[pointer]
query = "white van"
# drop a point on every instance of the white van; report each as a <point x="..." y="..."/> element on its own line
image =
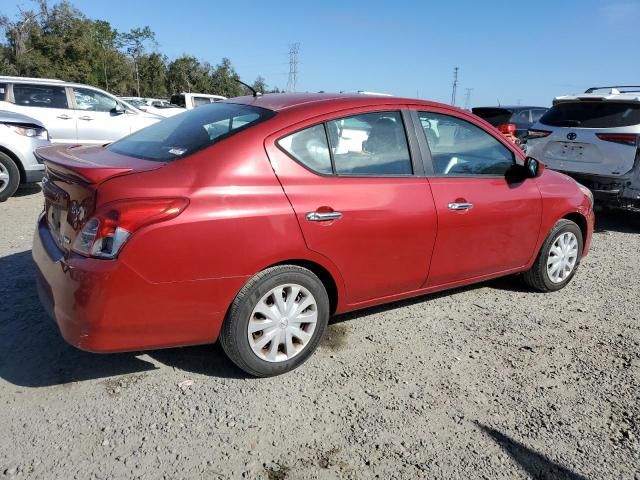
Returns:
<point x="193" y="100"/>
<point x="72" y="112"/>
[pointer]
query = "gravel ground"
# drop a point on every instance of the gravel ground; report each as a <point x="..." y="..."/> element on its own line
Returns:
<point x="491" y="381"/>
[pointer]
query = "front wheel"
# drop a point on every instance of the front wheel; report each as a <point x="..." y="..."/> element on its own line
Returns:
<point x="276" y="321"/>
<point x="9" y="177"/>
<point x="558" y="259"/>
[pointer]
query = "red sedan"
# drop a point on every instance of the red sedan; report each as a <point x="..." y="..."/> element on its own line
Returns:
<point x="253" y="220"/>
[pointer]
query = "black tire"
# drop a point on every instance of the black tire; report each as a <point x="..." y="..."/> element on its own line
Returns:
<point x="537" y="277"/>
<point x="234" y="336"/>
<point x="8" y="166"/>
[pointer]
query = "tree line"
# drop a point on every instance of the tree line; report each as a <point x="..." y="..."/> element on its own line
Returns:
<point x="59" y="41"/>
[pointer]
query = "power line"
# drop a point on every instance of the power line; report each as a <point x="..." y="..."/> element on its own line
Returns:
<point x="455" y="86"/>
<point x="292" y="83"/>
<point x="467" y="98"/>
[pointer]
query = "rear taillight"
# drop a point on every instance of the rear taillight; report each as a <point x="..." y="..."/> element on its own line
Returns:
<point x="507" y="128"/>
<point x="104" y="234"/>
<point x="623" y="138"/>
<point x="538" y="133"/>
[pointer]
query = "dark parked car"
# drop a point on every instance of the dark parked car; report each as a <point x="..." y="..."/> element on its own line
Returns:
<point x="511" y="120"/>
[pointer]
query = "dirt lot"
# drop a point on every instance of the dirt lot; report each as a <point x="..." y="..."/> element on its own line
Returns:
<point x="491" y="381"/>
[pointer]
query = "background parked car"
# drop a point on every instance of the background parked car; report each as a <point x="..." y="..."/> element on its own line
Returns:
<point x="72" y="112"/>
<point x="157" y="106"/>
<point x="594" y="137"/>
<point x="19" y="137"/>
<point x="512" y="121"/>
<point x="193" y="100"/>
<point x="300" y="222"/>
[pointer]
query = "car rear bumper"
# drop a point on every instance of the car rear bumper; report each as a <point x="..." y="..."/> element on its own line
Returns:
<point x="616" y="192"/>
<point x="105" y="306"/>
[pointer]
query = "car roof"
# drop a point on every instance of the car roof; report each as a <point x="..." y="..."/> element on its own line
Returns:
<point x="612" y="95"/>
<point x="326" y="101"/>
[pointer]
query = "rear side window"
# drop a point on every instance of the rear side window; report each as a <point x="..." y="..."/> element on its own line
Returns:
<point x="592" y="115"/>
<point x="199" y="101"/>
<point x="495" y="116"/>
<point x="371" y="144"/>
<point x="182" y="135"/>
<point x="459" y="148"/>
<point x="537" y="113"/>
<point x="44" y="96"/>
<point x="309" y="147"/>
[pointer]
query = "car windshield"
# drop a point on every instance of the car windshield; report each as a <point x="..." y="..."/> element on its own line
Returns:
<point x="594" y="114"/>
<point x="182" y="135"/>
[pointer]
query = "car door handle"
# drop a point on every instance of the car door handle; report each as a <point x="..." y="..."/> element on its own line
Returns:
<point x="460" y="206"/>
<point x="64" y="116"/>
<point x="86" y="117"/>
<point x="323" y="216"/>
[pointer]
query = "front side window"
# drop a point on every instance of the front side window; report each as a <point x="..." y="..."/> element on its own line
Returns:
<point x="44" y="96"/>
<point x="92" y="101"/>
<point x="460" y="148"/>
<point x="182" y="135"/>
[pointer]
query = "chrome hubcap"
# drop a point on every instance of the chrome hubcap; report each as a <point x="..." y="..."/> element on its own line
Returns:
<point x="282" y="323"/>
<point x="563" y="256"/>
<point x="4" y="177"/>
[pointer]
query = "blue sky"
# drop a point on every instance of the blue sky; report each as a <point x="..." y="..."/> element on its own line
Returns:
<point x="525" y="52"/>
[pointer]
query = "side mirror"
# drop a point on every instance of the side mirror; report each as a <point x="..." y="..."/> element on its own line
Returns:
<point x="533" y="167"/>
<point x="118" y="109"/>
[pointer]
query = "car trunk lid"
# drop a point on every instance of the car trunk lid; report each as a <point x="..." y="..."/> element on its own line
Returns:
<point x="73" y="174"/>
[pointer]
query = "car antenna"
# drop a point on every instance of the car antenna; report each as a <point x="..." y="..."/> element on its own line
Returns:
<point x="253" y="90"/>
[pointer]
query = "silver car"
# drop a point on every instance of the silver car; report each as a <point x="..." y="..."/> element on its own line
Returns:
<point x="73" y="112"/>
<point x="19" y="137"/>
<point x="594" y="137"/>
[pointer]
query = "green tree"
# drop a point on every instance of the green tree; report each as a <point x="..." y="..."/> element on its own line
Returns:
<point x="134" y="43"/>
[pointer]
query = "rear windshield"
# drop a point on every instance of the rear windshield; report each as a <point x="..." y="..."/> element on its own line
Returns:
<point x="592" y="115"/>
<point x="495" y="116"/>
<point x="181" y="135"/>
<point x="178" y="100"/>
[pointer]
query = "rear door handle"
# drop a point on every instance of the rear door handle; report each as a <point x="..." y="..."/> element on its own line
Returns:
<point x="64" y="116"/>
<point x="323" y="216"/>
<point x="460" y="206"/>
<point x="86" y="117"/>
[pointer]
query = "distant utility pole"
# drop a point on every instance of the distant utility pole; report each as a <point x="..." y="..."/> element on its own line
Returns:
<point x="455" y="86"/>
<point x="294" y="49"/>
<point x="467" y="98"/>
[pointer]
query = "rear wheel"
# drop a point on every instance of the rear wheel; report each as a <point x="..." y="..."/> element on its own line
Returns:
<point x="558" y="259"/>
<point x="9" y="177"/>
<point x="276" y="321"/>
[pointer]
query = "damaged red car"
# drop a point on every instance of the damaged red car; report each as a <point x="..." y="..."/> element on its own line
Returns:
<point x="252" y="220"/>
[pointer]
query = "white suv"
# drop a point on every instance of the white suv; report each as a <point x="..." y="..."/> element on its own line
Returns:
<point x="72" y="112"/>
<point x="594" y="137"/>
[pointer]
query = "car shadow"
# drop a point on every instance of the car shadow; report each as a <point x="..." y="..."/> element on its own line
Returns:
<point x="34" y="354"/>
<point x="538" y="466"/>
<point x="28" y="189"/>
<point x="617" y="221"/>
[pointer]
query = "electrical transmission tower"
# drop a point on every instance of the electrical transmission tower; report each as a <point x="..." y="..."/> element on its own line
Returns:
<point x="294" y="49"/>
<point x="455" y="86"/>
<point x="467" y="98"/>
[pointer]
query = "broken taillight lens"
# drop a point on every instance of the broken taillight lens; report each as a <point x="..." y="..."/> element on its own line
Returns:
<point x="104" y="234"/>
